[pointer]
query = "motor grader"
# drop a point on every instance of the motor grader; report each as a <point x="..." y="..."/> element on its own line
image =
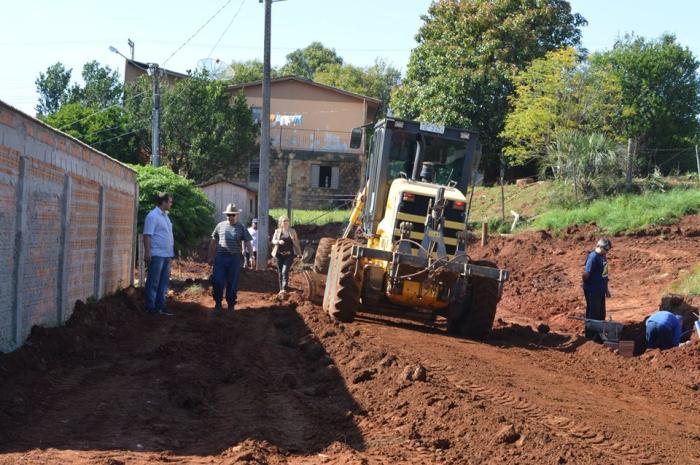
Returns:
<point x="404" y="251"/>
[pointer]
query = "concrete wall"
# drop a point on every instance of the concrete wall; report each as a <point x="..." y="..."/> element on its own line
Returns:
<point x="67" y="222"/>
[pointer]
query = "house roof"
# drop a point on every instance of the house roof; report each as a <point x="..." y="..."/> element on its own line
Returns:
<point x="218" y="179"/>
<point x="144" y="67"/>
<point x="308" y="82"/>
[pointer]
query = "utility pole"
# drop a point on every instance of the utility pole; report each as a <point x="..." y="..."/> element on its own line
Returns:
<point x="154" y="71"/>
<point x="131" y="47"/>
<point x="697" y="160"/>
<point x="263" y="180"/>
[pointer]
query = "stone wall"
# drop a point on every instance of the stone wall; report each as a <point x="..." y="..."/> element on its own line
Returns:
<point x="295" y="169"/>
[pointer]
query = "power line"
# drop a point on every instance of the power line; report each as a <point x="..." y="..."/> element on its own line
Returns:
<point x="225" y="30"/>
<point x="196" y="32"/>
<point x="100" y="111"/>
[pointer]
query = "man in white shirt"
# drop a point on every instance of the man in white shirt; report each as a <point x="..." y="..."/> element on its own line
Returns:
<point x="159" y="249"/>
<point x="250" y="258"/>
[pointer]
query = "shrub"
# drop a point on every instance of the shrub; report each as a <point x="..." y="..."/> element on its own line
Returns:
<point x="192" y="214"/>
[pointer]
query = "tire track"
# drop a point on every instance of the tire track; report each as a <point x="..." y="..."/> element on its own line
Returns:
<point x="563" y="426"/>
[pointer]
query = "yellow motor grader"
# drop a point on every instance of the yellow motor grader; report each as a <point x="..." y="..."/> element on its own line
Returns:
<point x="404" y="251"/>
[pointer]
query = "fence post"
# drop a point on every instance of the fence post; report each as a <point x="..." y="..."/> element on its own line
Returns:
<point x="697" y="160"/>
<point x="134" y="242"/>
<point x="484" y="233"/>
<point x="22" y="197"/>
<point x="99" y="265"/>
<point x="142" y="278"/>
<point x="628" y="180"/>
<point x="63" y="257"/>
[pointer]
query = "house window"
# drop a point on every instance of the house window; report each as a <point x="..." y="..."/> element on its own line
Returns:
<point x="325" y="176"/>
<point x="257" y="114"/>
<point x="254" y="171"/>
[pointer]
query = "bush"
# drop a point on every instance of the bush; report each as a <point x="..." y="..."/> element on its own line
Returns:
<point x="192" y="214"/>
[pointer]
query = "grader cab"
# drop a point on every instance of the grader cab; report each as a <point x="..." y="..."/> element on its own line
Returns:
<point x="404" y="251"/>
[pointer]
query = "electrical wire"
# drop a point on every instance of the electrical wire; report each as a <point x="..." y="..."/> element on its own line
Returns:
<point x="196" y="32"/>
<point x="226" y="30"/>
<point x="65" y="126"/>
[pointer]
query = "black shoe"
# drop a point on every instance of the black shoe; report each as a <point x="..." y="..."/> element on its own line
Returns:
<point x="165" y="311"/>
<point x="217" y="309"/>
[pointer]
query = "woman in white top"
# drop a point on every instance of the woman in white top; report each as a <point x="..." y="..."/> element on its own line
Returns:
<point x="286" y="247"/>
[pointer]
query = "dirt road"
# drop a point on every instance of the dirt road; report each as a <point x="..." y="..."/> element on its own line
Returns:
<point x="278" y="382"/>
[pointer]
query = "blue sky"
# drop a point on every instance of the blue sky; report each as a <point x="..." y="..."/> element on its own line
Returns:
<point x="38" y="33"/>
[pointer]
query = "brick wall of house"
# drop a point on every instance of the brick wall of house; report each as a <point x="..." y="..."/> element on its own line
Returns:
<point x="67" y="222"/>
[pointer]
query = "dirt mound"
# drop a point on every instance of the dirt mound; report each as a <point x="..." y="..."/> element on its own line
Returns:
<point x="546" y="272"/>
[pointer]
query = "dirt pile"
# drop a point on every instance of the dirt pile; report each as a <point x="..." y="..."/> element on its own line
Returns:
<point x="546" y="272"/>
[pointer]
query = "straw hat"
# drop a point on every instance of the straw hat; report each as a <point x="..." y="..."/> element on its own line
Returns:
<point x="231" y="209"/>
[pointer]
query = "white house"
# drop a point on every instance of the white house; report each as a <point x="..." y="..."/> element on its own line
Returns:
<point x="221" y="192"/>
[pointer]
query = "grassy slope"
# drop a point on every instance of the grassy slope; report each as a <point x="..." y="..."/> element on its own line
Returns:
<point x="625" y="213"/>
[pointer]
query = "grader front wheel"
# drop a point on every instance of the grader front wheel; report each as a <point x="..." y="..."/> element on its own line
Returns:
<point x="478" y="311"/>
<point x="342" y="291"/>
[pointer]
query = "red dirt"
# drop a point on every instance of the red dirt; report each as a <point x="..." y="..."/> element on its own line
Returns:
<point x="278" y="382"/>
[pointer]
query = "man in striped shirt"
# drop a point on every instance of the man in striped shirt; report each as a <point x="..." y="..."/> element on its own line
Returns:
<point x="225" y="252"/>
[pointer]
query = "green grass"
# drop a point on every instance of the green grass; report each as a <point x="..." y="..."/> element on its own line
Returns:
<point x="688" y="284"/>
<point x="317" y="217"/>
<point x="624" y="213"/>
<point x="529" y="200"/>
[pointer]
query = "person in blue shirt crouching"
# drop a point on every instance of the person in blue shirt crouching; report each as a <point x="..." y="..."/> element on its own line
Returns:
<point x="663" y="330"/>
<point x="595" y="282"/>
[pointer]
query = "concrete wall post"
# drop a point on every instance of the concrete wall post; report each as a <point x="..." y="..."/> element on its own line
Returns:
<point x="20" y="248"/>
<point x="63" y="257"/>
<point x="99" y="251"/>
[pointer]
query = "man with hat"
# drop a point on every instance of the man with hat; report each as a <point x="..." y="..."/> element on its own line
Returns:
<point x="253" y="231"/>
<point x="595" y="281"/>
<point x="225" y="252"/>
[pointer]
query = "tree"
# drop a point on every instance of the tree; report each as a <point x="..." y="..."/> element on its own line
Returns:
<point x="374" y="81"/>
<point x="192" y="214"/>
<point x="306" y="62"/>
<point x="204" y="131"/>
<point x="52" y="87"/>
<point x="102" y="87"/>
<point x="558" y="93"/>
<point x="246" y="71"/>
<point x="589" y="162"/>
<point x="460" y="74"/>
<point x="660" y="89"/>
<point x="111" y="131"/>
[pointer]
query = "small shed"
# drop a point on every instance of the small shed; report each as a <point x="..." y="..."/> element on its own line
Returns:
<point x="221" y="192"/>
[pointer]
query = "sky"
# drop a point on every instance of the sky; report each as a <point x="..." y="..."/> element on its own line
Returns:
<point x="177" y="34"/>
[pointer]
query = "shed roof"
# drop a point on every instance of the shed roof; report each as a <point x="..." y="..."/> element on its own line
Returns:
<point x="221" y="179"/>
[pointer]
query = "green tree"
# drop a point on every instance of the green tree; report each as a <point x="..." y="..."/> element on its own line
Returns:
<point x="660" y="89"/>
<point x="558" y="93"/>
<point x="305" y="62"/>
<point x="192" y="214"/>
<point x="204" y="130"/>
<point x="102" y="86"/>
<point x="246" y="71"/>
<point x="111" y="131"/>
<point x="374" y="81"/>
<point x="52" y="88"/>
<point x="460" y="73"/>
<point x="588" y="162"/>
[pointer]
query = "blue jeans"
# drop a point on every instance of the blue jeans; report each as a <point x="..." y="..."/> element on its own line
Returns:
<point x="227" y="269"/>
<point x="284" y="264"/>
<point x="157" y="283"/>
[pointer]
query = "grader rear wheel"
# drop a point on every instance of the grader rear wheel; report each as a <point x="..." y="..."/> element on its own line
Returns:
<point x="323" y="255"/>
<point x="343" y="292"/>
